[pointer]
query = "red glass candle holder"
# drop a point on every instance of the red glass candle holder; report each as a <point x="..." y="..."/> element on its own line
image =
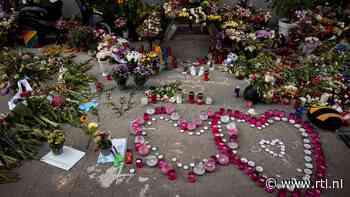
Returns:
<point x="191" y="177"/>
<point x="184" y="125"/>
<point x="296" y="193"/>
<point x="222" y="111"/>
<point x="139" y="163"/>
<point x="128" y="156"/>
<point x="200" y="99"/>
<point x="261" y="182"/>
<point x="158" y="110"/>
<point x="171" y="175"/>
<point x="146" y="117"/>
<point x="206" y="75"/>
<point x="191" y="97"/>
<point x="254" y="177"/>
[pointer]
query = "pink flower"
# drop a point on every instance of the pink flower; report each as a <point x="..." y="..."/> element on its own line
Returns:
<point x="253" y="77"/>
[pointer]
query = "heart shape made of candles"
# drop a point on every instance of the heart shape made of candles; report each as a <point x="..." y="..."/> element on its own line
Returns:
<point x="315" y="167"/>
<point x="269" y="147"/>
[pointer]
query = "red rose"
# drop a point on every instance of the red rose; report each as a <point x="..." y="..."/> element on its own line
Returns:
<point x="109" y="77"/>
<point x="25" y="94"/>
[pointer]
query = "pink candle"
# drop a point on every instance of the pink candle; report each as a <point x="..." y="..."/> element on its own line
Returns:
<point x="139" y="163"/>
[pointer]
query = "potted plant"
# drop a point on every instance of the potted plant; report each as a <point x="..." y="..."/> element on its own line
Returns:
<point x="120" y="74"/>
<point x="56" y="141"/>
<point x="103" y="142"/>
<point x="141" y="75"/>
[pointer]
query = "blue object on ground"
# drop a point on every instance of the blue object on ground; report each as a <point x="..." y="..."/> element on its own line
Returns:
<point x="88" y="106"/>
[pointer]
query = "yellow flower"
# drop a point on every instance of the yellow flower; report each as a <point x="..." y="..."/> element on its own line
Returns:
<point x="92" y="126"/>
<point x="83" y="119"/>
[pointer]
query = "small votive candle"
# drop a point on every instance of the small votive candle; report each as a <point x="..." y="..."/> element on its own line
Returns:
<point x="191" y="97"/>
<point x="171" y="175"/>
<point x="200" y="99"/>
<point x="191" y="177"/>
<point x="206" y="75"/>
<point x="139" y="163"/>
<point x="208" y="100"/>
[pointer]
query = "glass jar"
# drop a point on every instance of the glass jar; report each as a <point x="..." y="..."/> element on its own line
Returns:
<point x="200" y="99"/>
<point x="191" y="97"/>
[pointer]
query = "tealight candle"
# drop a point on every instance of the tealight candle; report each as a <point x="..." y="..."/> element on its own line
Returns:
<point x="208" y="100"/>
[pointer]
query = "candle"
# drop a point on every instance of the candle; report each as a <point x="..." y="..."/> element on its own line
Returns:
<point x="200" y="99"/>
<point x="191" y="97"/>
<point x="179" y="98"/>
<point x="191" y="177"/>
<point x="206" y="75"/>
<point x="139" y="163"/>
<point x="171" y="175"/>
<point x="128" y="156"/>
<point x="208" y="100"/>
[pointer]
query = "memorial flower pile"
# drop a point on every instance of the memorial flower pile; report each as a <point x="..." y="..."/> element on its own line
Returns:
<point x="40" y="110"/>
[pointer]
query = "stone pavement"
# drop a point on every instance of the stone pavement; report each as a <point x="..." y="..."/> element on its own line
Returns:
<point x="88" y="179"/>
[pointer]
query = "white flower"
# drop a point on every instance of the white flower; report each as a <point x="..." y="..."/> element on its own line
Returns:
<point x="133" y="56"/>
<point x="252" y="36"/>
<point x="269" y="78"/>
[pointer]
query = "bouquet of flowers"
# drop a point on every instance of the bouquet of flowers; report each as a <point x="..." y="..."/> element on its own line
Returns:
<point x="165" y="92"/>
<point x="56" y="140"/>
<point x="141" y="75"/>
<point x="120" y="74"/>
<point x="103" y="142"/>
<point x="120" y="23"/>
